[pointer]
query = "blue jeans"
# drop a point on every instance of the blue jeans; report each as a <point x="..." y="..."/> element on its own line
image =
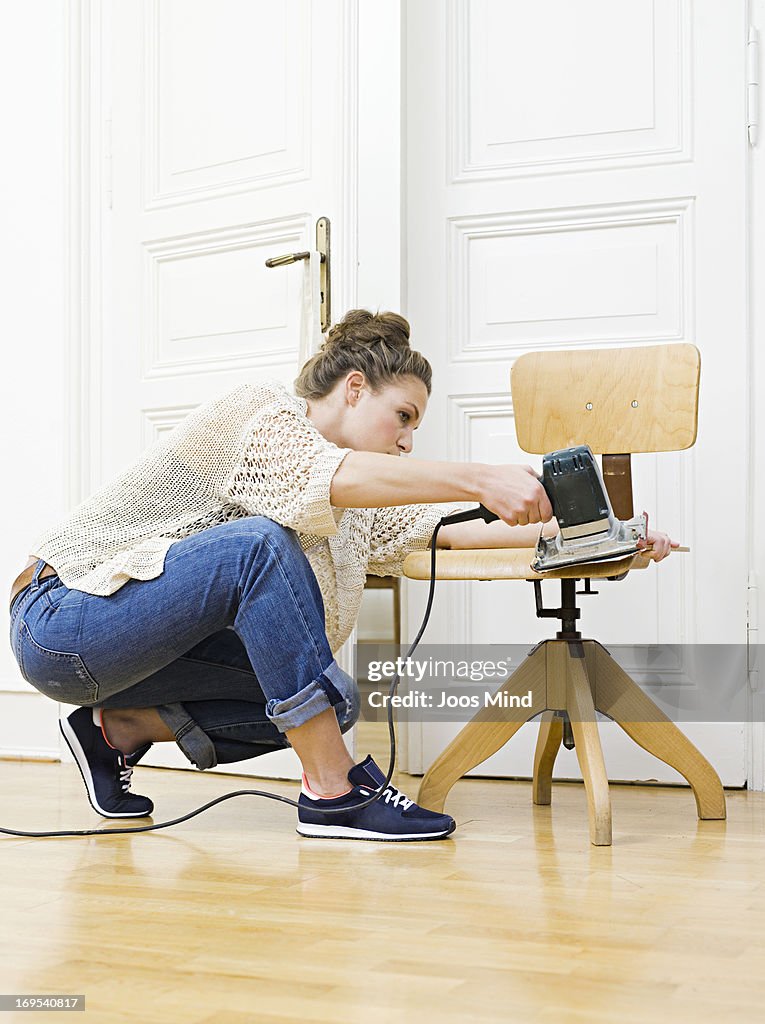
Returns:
<point x="228" y="643"/>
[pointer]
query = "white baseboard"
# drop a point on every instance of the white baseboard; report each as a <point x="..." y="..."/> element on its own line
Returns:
<point x="281" y="764"/>
<point x="29" y="726"/>
<point x="29" y="730"/>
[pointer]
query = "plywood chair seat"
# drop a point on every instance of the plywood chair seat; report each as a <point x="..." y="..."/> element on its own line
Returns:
<point x="508" y="564"/>
<point x="619" y="402"/>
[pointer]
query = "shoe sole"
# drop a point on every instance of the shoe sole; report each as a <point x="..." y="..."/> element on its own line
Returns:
<point x="344" y="832"/>
<point x="79" y="758"/>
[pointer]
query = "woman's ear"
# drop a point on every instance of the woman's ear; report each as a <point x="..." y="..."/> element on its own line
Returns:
<point x="354" y="385"/>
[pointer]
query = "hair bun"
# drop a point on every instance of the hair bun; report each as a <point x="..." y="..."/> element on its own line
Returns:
<point x="377" y="344"/>
<point x="360" y="328"/>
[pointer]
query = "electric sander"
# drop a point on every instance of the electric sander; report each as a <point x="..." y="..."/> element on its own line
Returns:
<point x="589" y="531"/>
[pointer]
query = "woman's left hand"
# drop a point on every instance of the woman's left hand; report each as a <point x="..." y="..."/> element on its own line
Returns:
<point x="659" y="545"/>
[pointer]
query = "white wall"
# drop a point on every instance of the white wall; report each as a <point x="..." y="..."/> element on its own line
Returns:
<point x="34" y="312"/>
<point x="380" y="213"/>
<point x="380" y="157"/>
<point x="757" y="462"/>
<point x="32" y="317"/>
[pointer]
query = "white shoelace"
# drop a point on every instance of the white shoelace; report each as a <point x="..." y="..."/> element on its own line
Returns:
<point x="125" y="778"/>
<point x="393" y="796"/>
<point x="396" y="797"/>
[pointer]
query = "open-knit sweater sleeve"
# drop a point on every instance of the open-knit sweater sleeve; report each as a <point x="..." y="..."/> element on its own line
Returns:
<point x="399" y="530"/>
<point x="249" y="452"/>
<point x="285" y="469"/>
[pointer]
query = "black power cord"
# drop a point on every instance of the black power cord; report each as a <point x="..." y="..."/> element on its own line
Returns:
<point x="458" y="517"/>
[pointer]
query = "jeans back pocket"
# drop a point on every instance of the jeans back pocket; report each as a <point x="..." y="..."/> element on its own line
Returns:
<point x="60" y="675"/>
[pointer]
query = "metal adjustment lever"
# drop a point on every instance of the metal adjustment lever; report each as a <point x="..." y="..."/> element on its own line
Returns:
<point x="325" y="277"/>
<point x="588" y="588"/>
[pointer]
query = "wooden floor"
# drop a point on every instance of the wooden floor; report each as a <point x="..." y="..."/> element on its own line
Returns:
<point x="232" y="918"/>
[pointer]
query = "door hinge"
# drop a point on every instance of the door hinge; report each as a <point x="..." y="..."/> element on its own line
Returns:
<point x="752" y="632"/>
<point x="108" y="163"/>
<point x="753" y="85"/>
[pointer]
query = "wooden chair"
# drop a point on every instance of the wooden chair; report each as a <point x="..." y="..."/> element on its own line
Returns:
<point x="619" y="402"/>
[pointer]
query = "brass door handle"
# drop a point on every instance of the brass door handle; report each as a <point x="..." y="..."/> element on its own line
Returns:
<point x="290" y="257"/>
<point x="325" y="277"/>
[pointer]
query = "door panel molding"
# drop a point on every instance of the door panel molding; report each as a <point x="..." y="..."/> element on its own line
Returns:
<point x="603" y="126"/>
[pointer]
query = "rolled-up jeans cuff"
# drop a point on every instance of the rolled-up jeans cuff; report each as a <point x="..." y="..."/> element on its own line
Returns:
<point x="195" y="744"/>
<point x="332" y="689"/>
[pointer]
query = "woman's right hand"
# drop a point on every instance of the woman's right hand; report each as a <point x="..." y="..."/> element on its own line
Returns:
<point x="515" y="494"/>
<point x="373" y="480"/>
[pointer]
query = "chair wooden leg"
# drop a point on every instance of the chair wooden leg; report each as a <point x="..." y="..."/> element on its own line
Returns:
<point x="548" y="745"/>
<point x="589" y="752"/>
<point x="484" y="735"/>
<point x="620" y="697"/>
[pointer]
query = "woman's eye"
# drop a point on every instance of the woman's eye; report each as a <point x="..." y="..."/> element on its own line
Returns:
<point x="405" y="417"/>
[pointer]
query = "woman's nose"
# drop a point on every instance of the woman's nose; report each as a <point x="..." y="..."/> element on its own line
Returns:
<point x="405" y="443"/>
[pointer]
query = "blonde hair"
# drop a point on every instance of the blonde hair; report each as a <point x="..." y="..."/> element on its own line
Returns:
<point x="377" y="344"/>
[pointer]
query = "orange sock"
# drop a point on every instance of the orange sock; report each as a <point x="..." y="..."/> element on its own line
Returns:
<point x="98" y="719"/>
<point x="103" y="733"/>
<point x="317" y="796"/>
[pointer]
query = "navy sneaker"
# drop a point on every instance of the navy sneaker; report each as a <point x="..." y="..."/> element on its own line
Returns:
<point x="392" y="819"/>
<point x="131" y="760"/>
<point x="104" y="770"/>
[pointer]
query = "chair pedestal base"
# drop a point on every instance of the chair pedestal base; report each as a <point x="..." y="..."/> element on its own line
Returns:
<point x="580" y="678"/>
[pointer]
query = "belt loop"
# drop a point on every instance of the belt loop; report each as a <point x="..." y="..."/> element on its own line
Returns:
<point x="41" y="563"/>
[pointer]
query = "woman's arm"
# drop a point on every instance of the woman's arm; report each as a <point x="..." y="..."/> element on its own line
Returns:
<point x="493" y="535"/>
<point x="371" y="480"/>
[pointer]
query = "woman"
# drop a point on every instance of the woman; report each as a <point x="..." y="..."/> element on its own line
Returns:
<point x="200" y="595"/>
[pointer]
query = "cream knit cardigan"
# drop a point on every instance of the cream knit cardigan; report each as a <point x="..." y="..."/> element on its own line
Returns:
<point x="251" y="452"/>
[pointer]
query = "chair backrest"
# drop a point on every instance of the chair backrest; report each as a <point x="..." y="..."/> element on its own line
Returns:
<point x="617" y="400"/>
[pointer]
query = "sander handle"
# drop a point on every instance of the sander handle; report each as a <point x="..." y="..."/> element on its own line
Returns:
<point x="479" y="512"/>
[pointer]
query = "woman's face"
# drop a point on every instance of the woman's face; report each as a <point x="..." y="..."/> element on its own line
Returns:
<point x="384" y="421"/>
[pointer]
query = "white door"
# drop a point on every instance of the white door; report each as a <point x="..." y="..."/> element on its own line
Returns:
<point x="576" y="179"/>
<point x="230" y="134"/>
